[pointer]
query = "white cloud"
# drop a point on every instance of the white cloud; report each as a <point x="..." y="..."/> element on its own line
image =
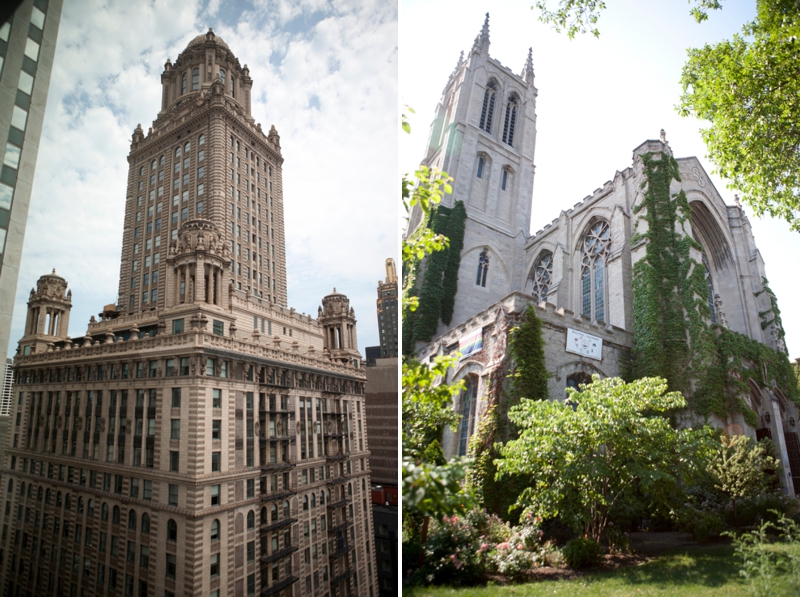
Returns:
<point x="340" y="188"/>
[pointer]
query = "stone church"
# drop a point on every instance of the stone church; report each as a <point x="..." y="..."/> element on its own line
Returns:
<point x="579" y="270"/>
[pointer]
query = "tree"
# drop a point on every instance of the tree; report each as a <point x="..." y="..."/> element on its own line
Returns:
<point x="742" y="468"/>
<point x="584" y="454"/>
<point x="747" y="88"/>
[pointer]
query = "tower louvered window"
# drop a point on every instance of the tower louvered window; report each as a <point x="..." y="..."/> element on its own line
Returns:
<point x="487" y="111"/>
<point x="483" y="268"/>
<point x="510" y="121"/>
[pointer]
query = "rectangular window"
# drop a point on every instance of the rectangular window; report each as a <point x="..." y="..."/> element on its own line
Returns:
<point x="174" y="459"/>
<point x="215" y="461"/>
<point x="176" y="397"/>
<point x="216" y="429"/>
<point x="216" y="398"/>
<point x="211" y="366"/>
<point x="173" y="495"/>
<point x="215" y="495"/>
<point x="171" y="565"/>
<point x="214" y="564"/>
<point x="219" y="328"/>
<point x="148" y="490"/>
<point x="174" y="429"/>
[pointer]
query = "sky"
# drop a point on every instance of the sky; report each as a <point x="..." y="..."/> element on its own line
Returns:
<point x="324" y="73"/>
<point x="597" y="100"/>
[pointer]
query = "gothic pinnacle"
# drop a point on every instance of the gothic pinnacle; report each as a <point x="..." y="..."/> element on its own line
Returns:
<point x="482" y="40"/>
<point x="527" y="72"/>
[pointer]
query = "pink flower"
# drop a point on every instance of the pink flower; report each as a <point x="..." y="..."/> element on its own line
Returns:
<point x="484" y="546"/>
<point x="502" y="545"/>
<point x="520" y="546"/>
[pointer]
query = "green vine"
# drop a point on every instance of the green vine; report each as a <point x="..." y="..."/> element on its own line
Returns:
<point x="524" y="365"/>
<point x="439" y="279"/>
<point x="773" y="310"/>
<point x="672" y="337"/>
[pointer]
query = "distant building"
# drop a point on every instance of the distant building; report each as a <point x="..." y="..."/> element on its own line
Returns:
<point x="387" y="312"/>
<point x="382" y="418"/>
<point x="386" y="541"/>
<point x="6" y="390"/>
<point x="371" y="355"/>
<point x="27" y="48"/>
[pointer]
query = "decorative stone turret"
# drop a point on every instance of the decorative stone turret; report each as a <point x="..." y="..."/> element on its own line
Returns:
<point x="48" y="314"/>
<point x="196" y="265"/>
<point x="338" y="320"/>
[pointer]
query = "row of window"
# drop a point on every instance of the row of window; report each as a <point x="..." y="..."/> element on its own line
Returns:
<point x="488" y="110"/>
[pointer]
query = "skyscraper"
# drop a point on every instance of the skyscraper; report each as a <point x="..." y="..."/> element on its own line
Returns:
<point x="202" y="438"/>
<point x="27" y="48"/>
<point x="387" y="312"/>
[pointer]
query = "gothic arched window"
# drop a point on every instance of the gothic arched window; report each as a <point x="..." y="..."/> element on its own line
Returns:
<point x="487" y="111"/>
<point x="710" y="285"/>
<point x="483" y="268"/>
<point x="540" y="276"/>
<point x="596" y="248"/>
<point x="195" y="79"/>
<point x="576" y="380"/>
<point x="468" y="400"/>
<point x="511" y="119"/>
<point x="481" y="163"/>
<point x="506" y="180"/>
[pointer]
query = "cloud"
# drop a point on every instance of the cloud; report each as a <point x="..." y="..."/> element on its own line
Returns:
<point x="337" y="125"/>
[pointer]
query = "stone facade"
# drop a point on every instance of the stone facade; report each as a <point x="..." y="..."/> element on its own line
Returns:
<point x="213" y="442"/>
<point x="382" y="420"/>
<point x="578" y="268"/>
<point x="388" y="321"/>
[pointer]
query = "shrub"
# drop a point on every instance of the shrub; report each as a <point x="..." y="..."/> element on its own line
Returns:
<point x="582" y="553"/>
<point x="770" y="567"/>
<point x="752" y="511"/>
<point x="452" y="552"/>
<point x="699" y="522"/>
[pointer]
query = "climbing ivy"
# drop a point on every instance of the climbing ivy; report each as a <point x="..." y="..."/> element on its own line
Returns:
<point x="773" y="310"/>
<point x="439" y="279"/>
<point x="523" y="365"/>
<point x="672" y="337"/>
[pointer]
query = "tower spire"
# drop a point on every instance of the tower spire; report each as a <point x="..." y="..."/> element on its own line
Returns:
<point x="482" y="40"/>
<point x="527" y="71"/>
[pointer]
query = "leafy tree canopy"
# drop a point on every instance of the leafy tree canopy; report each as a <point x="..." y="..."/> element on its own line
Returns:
<point x="583" y="454"/>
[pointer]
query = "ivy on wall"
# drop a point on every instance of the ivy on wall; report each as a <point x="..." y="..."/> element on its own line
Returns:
<point x="673" y="336"/>
<point x="439" y="285"/>
<point x="520" y="374"/>
<point x="773" y="311"/>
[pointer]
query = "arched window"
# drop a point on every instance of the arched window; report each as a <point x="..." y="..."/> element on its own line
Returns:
<point x="153" y="165"/>
<point x="195" y="79"/>
<point x="22" y="489"/>
<point x="187" y="147"/>
<point x="468" y="400"/>
<point x="233" y="86"/>
<point x="251" y="520"/>
<point x="305" y="503"/>
<point x="90" y="509"/>
<point x="115" y="515"/>
<point x="596" y="248"/>
<point x="104" y="512"/>
<point x="710" y="284"/>
<point x="576" y="380"/>
<point x="540" y="276"/>
<point x="47" y="495"/>
<point x="222" y="76"/>
<point x="132" y="519"/>
<point x="215" y="530"/>
<point x="58" y="500"/>
<point x="183" y="83"/>
<point x="313" y="500"/>
<point x="321" y="498"/>
<point x="286" y="509"/>
<point x="161" y="161"/>
<point x="481" y="164"/>
<point x="489" y="97"/>
<point x="483" y="268"/>
<point x="39" y="494"/>
<point x="511" y="119"/>
<point x="201" y="140"/>
<point x="178" y="151"/>
<point x="273" y="509"/>
<point x="350" y="489"/>
<point x="146" y="523"/>
<point x="505" y="181"/>
<point x="10" y="486"/>
<point x="172" y="530"/>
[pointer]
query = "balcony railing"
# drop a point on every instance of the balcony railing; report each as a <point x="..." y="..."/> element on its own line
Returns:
<point x="271" y="590"/>
<point x="278" y="524"/>
<point x="342" y="577"/>
<point x="279" y="554"/>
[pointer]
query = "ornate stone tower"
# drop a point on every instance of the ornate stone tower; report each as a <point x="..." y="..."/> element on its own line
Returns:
<point x="338" y="321"/>
<point x="48" y="314"/>
<point x="204" y="157"/>
<point x="484" y="136"/>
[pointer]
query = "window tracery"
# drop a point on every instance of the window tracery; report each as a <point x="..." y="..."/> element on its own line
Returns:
<point x="540" y="276"/>
<point x="596" y="248"/>
<point x="487" y="112"/>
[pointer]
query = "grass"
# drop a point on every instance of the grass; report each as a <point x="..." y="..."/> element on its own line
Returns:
<point x="693" y="572"/>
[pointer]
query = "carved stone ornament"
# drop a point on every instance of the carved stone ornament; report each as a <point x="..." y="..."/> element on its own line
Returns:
<point x="40" y="421"/>
<point x="128" y="429"/>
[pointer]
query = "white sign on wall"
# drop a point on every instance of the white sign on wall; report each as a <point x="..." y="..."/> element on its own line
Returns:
<point x="584" y="344"/>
